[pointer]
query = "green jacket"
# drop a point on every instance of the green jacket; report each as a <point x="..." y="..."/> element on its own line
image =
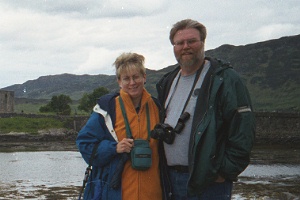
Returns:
<point x="223" y="128"/>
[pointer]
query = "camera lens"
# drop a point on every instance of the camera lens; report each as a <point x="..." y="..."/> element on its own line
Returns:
<point x="184" y="117"/>
<point x="181" y="122"/>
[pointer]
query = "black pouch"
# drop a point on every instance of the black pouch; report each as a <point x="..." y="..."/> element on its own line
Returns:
<point x="141" y="155"/>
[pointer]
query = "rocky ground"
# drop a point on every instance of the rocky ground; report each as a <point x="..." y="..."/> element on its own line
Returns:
<point x="246" y="188"/>
<point x="46" y="140"/>
<point x="64" y="139"/>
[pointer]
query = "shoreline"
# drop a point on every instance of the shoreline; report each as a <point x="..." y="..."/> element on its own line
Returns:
<point x="64" y="140"/>
<point x="45" y="140"/>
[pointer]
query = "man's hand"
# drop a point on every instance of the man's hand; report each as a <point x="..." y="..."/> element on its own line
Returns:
<point x="220" y="179"/>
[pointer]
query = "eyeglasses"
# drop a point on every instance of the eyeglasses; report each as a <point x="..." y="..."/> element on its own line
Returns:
<point x="189" y="42"/>
<point x="136" y="78"/>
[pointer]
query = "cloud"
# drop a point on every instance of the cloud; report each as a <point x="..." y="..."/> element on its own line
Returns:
<point x="274" y="31"/>
<point x="46" y="37"/>
<point x="93" y="8"/>
<point x="97" y="61"/>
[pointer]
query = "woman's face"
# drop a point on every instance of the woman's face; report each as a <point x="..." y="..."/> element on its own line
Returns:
<point x="132" y="82"/>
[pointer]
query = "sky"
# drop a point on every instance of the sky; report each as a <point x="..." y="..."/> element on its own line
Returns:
<point x="50" y="37"/>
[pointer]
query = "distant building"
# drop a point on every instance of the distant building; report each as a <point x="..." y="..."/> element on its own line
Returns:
<point x="7" y="101"/>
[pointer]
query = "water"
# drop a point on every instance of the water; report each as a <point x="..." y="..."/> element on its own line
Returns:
<point x="41" y="175"/>
<point x="273" y="174"/>
<point x="53" y="168"/>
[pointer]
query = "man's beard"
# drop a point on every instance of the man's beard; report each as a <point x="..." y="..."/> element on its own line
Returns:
<point x="188" y="62"/>
<point x="194" y="60"/>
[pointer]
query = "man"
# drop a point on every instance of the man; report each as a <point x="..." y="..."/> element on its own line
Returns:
<point x="210" y="103"/>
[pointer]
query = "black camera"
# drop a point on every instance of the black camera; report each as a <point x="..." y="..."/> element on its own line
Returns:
<point x="163" y="132"/>
<point x="166" y="132"/>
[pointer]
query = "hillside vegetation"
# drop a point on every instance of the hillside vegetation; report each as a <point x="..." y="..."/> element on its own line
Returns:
<point x="271" y="70"/>
<point x="28" y="125"/>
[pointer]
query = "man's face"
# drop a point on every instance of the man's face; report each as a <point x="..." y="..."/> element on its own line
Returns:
<point x="188" y="48"/>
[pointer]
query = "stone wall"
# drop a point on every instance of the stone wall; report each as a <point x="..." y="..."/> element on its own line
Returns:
<point x="6" y="101"/>
<point x="277" y="127"/>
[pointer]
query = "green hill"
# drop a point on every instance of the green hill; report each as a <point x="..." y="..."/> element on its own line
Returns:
<point x="271" y="70"/>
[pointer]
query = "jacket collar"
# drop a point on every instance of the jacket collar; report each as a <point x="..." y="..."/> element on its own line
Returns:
<point x="128" y="102"/>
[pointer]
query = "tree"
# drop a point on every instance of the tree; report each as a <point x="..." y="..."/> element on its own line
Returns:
<point x="87" y="102"/>
<point x="58" y="104"/>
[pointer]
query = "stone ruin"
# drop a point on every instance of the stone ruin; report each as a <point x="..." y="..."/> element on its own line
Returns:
<point x="7" y="101"/>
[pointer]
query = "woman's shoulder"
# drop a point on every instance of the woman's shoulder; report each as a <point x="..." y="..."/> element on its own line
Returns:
<point x="106" y="103"/>
<point x="106" y="99"/>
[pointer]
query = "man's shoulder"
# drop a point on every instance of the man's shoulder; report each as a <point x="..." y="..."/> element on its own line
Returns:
<point x="224" y="69"/>
<point x="218" y="63"/>
<point x="173" y="71"/>
<point x="157" y="103"/>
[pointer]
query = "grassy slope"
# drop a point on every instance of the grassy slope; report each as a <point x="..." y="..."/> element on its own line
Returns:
<point x="28" y="125"/>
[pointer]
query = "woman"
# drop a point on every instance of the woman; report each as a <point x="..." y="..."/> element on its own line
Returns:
<point x="107" y="127"/>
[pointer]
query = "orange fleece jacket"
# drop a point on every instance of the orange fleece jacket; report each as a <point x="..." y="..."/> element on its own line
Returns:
<point x="139" y="185"/>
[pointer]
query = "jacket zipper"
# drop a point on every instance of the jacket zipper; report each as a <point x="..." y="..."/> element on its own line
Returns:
<point x="207" y="99"/>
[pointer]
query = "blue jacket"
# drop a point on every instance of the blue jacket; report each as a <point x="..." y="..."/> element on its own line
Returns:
<point x="106" y="158"/>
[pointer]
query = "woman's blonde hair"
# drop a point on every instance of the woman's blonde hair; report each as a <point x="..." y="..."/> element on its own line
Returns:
<point x="129" y="61"/>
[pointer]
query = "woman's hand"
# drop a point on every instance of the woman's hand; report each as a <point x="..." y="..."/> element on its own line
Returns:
<point x="125" y="145"/>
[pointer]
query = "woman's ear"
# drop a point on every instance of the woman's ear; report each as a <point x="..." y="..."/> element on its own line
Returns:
<point x="119" y="82"/>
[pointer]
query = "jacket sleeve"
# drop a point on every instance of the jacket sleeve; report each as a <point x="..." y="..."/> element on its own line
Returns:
<point x="95" y="131"/>
<point x="239" y="122"/>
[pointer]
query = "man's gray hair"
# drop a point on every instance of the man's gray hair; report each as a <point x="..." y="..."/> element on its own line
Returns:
<point x="185" y="24"/>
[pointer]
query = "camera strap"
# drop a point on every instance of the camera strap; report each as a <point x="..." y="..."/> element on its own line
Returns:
<point x="192" y="89"/>
<point x="128" y="130"/>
